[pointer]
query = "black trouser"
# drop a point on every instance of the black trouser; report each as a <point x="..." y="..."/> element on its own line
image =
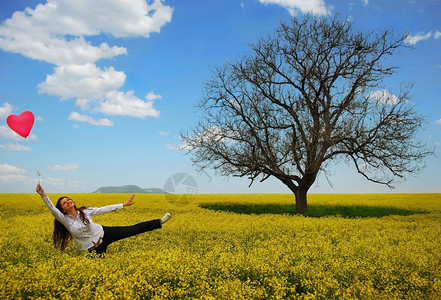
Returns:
<point x="113" y="234"/>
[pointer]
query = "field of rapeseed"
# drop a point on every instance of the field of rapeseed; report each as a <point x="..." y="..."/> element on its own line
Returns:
<point x="232" y="247"/>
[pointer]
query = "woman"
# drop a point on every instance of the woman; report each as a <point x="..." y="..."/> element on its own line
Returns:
<point x="72" y="222"/>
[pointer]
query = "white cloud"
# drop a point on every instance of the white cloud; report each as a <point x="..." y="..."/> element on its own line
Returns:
<point x="413" y="39"/>
<point x="14" y="147"/>
<point x="74" y="184"/>
<point x="57" y="182"/>
<point x="365" y="2"/>
<point x="384" y="97"/>
<point x="15" y="178"/>
<point x="43" y="33"/>
<point x="62" y="184"/>
<point x="56" y="32"/>
<point x="82" y="81"/>
<point x="164" y="132"/>
<point x="213" y="134"/>
<point x="5" y="110"/>
<point x="314" y="6"/>
<point x="437" y="34"/>
<point x="126" y="104"/>
<point x="175" y="147"/>
<point x="97" y="90"/>
<point x="151" y="96"/>
<point x="32" y="137"/>
<point x="7" y="133"/>
<point x="65" y="167"/>
<point x="439" y="121"/>
<point x="55" y="50"/>
<point x="10" y="169"/>
<point x="74" y="116"/>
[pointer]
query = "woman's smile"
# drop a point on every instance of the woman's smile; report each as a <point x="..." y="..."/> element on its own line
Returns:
<point x="66" y="204"/>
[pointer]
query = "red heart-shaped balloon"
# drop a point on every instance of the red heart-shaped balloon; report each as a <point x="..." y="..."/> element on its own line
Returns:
<point x="22" y="124"/>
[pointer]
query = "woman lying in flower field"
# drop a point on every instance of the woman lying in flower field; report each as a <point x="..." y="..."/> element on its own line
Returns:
<point x="72" y="222"/>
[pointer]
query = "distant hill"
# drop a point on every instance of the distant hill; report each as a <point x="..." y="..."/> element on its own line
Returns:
<point x="129" y="189"/>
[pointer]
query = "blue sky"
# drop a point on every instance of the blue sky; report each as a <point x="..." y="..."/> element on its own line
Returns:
<point x="113" y="82"/>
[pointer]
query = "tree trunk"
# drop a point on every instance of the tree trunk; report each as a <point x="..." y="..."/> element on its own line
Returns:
<point x="300" y="194"/>
<point x="301" y="200"/>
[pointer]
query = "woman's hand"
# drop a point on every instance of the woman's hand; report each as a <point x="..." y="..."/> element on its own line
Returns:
<point x="40" y="190"/>
<point x="129" y="201"/>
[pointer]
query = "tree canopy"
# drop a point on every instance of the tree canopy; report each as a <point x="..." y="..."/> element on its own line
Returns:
<point x="309" y="94"/>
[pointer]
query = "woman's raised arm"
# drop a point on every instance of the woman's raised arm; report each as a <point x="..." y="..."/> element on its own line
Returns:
<point x="55" y="212"/>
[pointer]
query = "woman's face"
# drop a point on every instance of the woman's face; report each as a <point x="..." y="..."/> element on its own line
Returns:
<point x="66" y="204"/>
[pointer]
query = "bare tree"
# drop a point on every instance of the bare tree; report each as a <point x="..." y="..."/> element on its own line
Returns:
<point x="309" y="94"/>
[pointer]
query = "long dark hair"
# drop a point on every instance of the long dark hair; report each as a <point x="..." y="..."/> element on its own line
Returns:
<point x="61" y="236"/>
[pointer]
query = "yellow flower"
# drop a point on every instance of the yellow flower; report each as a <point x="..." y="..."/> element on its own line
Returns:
<point x="206" y="254"/>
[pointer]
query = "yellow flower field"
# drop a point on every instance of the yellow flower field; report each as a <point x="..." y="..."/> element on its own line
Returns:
<point x="352" y="247"/>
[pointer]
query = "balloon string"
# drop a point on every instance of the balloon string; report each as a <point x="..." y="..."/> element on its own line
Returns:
<point x="34" y="160"/>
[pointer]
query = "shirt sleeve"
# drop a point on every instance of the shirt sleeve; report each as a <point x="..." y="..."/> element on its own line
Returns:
<point x="94" y="211"/>
<point x="55" y="212"/>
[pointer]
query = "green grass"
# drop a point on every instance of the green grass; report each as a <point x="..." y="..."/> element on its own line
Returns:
<point x="344" y="211"/>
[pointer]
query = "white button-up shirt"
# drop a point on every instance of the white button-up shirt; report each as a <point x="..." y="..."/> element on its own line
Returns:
<point x="83" y="235"/>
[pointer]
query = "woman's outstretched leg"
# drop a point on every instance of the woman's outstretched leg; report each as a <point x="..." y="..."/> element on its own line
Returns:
<point x="113" y="234"/>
